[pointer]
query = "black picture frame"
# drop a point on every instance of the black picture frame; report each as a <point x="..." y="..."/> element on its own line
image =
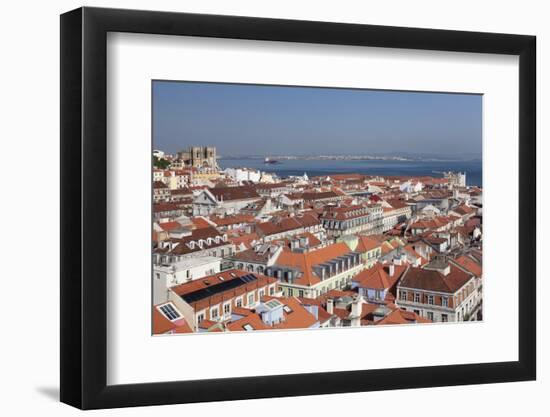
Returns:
<point x="84" y="207"/>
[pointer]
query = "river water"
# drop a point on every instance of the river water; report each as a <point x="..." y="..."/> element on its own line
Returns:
<point x="316" y="167"/>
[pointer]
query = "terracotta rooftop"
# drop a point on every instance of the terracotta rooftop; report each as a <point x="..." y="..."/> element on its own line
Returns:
<point x="399" y="316"/>
<point x="284" y="224"/>
<point x="366" y="244"/>
<point x="432" y="280"/>
<point x="234" y="193"/>
<point x="469" y="265"/>
<point x="307" y="260"/>
<point x="222" y="286"/>
<point x="378" y="277"/>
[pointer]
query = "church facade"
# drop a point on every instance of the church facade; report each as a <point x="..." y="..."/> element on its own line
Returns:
<point x="199" y="157"/>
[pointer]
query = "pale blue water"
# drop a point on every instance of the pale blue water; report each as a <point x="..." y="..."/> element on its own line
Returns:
<point x="313" y="168"/>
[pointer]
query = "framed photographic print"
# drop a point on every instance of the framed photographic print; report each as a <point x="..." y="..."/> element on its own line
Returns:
<point x="258" y="208"/>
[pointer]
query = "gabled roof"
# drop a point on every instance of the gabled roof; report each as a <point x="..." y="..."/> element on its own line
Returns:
<point x="200" y="222"/>
<point x="285" y="224"/>
<point x="307" y="260"/>
<point x="160" y="323"/>
<point x="463" y="210"/>
<point x="170" y="226"/>
<point x="234" y="193"/>
<point x="432" y="280"/>
<point x="296" y="316"/>
<point x="366" y="244"/>
<point x="319" y="195"/>
<point x="184" y="246"/>
<point x="469" y="265"/>
<point x="162" y="207"/>
<point x="252" y="321"/>
<point x="399" y="316"/>
<point x="220" y="287"/>
<point x="230" y="220"/>
<point x="246" y="240"/>
<point x="378" y="277"/>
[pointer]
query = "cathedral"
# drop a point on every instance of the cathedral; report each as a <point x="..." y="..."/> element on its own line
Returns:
<point x="199" y="157"/>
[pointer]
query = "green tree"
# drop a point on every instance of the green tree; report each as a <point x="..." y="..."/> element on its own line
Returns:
<point x="160" y="163"/>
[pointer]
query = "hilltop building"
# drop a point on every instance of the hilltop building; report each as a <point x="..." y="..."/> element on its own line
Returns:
<point x="199" y="157"/>
<point x="456" y="179"/>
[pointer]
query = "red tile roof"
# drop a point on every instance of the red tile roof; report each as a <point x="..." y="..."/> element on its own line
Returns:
<point x="200" y="223"/>
<point x="469" y="265"/>
<point x="161" y="324"/>
<point x="378" y="277"/>
<point x="234" y="193"/>
<point x="169" y="226"/>
<point x="252" y="320"/>
<point x="431" y="280"/>
<point x="366" y="244"/>
<point x="402" y="317"/>
<point x="305" y="261"/>
<point x="226" y="294"/>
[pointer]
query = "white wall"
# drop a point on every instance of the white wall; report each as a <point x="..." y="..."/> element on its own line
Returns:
<point x="30" y="92"/>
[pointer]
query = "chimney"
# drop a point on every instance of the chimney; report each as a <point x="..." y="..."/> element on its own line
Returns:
<point x="330" y="306"/>
<point x="356" y="307"/>
<point x="392" y="269"/>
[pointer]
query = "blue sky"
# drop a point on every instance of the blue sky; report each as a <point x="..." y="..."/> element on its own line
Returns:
<point x="272" y="120"/>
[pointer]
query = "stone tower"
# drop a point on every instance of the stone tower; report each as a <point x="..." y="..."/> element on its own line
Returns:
<point x="200" y="157"/>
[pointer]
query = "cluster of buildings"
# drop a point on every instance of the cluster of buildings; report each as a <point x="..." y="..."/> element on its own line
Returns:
<point x="242" y="250"/>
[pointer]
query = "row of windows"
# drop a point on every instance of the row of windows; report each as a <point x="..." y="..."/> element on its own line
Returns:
<point x="417" y="297"/>
<point x="214" y="311"/>
<point x="338" y="284"/>
<point x="374" y="254"/>
<point x="430" y="316"/>
<point x="171" y="259"/>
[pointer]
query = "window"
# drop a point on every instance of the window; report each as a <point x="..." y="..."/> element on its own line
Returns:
<point x="403" y="295"/>
<point x="445" y="301"/>
<point x="444" y="318"/>
<point x="200" y="317"/>
<point x="261" y="292"/>
<point x="271" y="290"/>
<point x="430" y="299"/>
<point x="430" y="315"/>
<point x="417" y="312"/>
<point x="378" y="295"/>
<point x="239" y="302"/>
<point x="170" y="312"/>
<point x="300" y="293"/>
<point x="289" y="292"/>
<point x="214" y="313"/>
<point x="157" y="275"/>
<point x="250" y="299"/>
<point x="226" y="308"/>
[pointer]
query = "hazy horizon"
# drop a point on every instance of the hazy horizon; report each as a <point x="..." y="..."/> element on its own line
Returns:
<point x="247" y="120"/>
